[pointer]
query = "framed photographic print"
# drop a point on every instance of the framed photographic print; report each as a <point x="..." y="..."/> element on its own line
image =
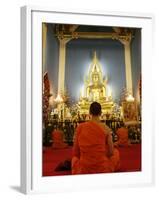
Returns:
<point x="86" y="118"/>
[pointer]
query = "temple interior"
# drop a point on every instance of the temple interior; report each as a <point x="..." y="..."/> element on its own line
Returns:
<point x="83" y="64"/>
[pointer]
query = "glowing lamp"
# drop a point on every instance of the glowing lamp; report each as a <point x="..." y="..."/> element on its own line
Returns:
<point x="59" y="99"/>
<point x="130" y="98"/>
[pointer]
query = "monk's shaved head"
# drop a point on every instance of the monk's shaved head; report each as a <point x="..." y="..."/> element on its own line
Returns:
<point x="95" y="109"/>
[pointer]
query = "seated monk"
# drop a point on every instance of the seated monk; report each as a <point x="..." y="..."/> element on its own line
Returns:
<point x="93" y="150"/>
<point x="57" y="137"/>
<point x="122" y="134"/>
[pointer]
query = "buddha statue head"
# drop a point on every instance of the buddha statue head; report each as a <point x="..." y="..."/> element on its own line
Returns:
<point x="95" y="77"/>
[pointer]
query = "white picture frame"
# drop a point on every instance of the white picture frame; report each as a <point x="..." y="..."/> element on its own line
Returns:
<point x="31" y="103"/>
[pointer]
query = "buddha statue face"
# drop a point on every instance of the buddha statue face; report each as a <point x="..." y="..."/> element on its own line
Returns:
<point x="95" y="78"/>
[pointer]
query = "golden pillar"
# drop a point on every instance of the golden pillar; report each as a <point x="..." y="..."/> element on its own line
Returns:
<point x="128" y="68"/>
<point x="44" y="39"/>
<point x="62" y="58"/>
<point x="127" y="51"/>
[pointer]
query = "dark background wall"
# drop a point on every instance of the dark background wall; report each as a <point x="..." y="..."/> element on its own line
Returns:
<point x="79" y="54"/>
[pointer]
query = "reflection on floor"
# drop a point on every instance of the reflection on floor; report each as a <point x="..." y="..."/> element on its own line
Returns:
<point x="130" y="159"/>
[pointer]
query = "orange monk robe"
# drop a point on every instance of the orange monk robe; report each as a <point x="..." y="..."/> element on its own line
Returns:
<point x="57" y="138"/>
<point x="90" y="151"/>
<point x="123" y="139"/>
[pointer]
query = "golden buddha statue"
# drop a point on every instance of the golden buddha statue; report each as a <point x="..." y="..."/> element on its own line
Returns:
<point x="95" y="89"/>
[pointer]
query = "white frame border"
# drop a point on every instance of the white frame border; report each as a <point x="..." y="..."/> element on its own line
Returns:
<point x="31" y="180"/>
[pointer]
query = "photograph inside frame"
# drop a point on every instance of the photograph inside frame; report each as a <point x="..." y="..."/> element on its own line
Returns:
<point x="91" y="97"/>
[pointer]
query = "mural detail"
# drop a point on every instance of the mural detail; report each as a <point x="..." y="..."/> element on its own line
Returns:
<point x="130" y="113"/>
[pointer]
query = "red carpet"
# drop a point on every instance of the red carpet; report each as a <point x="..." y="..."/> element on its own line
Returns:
<point x="130" y="159"/>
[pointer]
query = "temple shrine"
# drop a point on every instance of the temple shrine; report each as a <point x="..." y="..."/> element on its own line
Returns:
<point x="95" y="89"/>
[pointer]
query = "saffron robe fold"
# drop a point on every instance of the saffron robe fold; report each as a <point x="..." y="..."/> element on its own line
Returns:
<point x="90" y="150"/>
<point x="57" y="138"/>
<point x="123" y="139"/>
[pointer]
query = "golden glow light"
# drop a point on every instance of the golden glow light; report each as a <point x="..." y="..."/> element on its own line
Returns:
<point x="58" y="99"/>
<point x="82" y="91"/>
<point x="109" y="92"/>
<point x="130" y="98"/>
<point x="51" y="101"/>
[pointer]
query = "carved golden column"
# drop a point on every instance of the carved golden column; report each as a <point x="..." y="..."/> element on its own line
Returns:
<point x="44" y="38"/>
<point x="126" y="42"/>
<point x="62" y="58"/>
